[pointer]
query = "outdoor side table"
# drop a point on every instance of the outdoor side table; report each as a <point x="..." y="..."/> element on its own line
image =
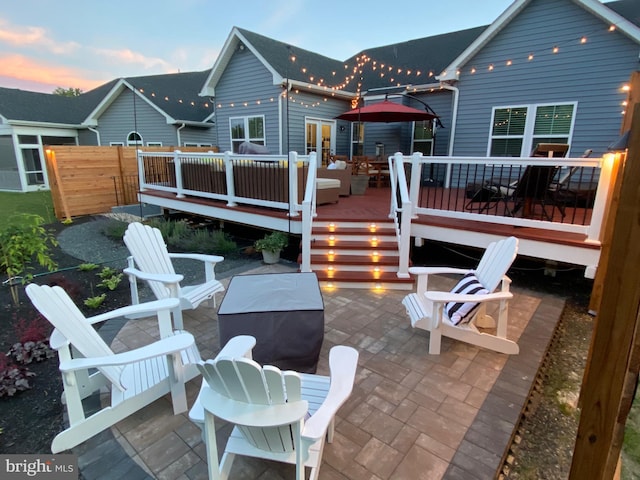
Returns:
<point x="283" y="311"/>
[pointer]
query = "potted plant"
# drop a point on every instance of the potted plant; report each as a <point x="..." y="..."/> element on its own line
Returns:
<point x="271" y="245"/>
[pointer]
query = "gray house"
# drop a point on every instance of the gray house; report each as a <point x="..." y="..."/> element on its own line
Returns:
<point x="544" y="71"/>
<point x="153" y="110"/>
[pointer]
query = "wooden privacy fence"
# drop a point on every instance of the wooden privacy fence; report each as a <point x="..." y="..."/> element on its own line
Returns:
<point x="87" y="180"/>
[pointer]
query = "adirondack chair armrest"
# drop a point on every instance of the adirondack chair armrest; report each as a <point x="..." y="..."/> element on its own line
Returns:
<point x="237" y="347"/>
<point x="446" y="297"/>
<point x="57" y="340"/>
<point x="342" y="365"/>
<point x="165" y="346"/>
<point x="198" y="256"/>
<point x="437" y="270"/>
<point x="155" y="277"/>
<point x="166" y="304"/>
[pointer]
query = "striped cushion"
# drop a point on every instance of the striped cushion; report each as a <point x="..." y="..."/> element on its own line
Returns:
<point x="461" y="312"/>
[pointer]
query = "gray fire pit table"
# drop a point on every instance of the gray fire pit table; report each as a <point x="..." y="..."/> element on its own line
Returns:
<point x="283" y="311"/>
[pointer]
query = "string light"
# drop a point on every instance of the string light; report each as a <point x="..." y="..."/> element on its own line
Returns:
<point x="356" y="72"/>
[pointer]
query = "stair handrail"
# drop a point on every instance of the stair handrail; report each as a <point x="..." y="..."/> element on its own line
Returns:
<point x="405" y="209"/>
<point x="308" y="209"/>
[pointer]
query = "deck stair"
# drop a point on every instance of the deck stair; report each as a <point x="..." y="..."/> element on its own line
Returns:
<point x="356" y="254"/>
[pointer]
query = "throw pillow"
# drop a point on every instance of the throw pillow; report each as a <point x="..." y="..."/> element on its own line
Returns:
<point x="461" y="312"/>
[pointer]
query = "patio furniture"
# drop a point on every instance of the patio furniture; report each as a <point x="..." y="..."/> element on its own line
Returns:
<point x="283" y="311"/>
<point x="136" y="378"/>
<point x="327" y="190"/>
<point x="150" y="261"/>
<point x="460" y="312"/>
<point x="531" y="189"/>
<point x="342" y="172"/>
<point x="281" y="416"/>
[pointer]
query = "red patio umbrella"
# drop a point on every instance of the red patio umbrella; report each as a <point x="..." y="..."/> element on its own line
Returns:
<point x="386" y="111"/>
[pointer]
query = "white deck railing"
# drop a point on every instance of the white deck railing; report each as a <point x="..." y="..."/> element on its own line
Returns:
<point x="435" y="186"/>
<point x="450" y="186"/>
<point x="272" y="181"/>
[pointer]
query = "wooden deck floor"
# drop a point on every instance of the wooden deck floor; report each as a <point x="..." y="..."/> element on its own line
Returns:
<point x="374" y="206"/>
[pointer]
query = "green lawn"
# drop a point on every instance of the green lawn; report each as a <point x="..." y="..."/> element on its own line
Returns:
<point x="39" y="203"/>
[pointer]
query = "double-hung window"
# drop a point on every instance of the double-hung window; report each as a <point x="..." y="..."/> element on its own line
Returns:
<point x="246" y="129"/>
<point x="515" y="131"/>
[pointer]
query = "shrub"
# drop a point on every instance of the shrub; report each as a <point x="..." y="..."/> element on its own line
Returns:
<point x="13" y="378"/>
<point x="173" y="231"/>
<point x="95" y="302"/>
<point x="33" y="330"/>
<point x="107" y="272"/>
<point x="111" y="282"/>
<point x="87" y="267"/>
<point x="114" y="229"/>
<point x="23" y="240"/>
<point x="203" y="240"/>
<point x="27" y="352"/>
<point x="73" y="289"/>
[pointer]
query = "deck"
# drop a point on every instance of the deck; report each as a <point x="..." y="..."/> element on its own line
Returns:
<point x="411" y="415"/>
<point x="374" y="206"/>
<point x="557" y="213"/>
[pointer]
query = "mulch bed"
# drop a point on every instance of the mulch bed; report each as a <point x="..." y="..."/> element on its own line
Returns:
<point x="31" y="418"/>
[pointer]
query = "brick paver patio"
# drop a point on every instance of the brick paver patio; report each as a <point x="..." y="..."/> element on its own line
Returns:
<point x="411" y="415"/>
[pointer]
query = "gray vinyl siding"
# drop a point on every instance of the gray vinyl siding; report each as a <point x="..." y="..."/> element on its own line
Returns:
<point x="590" y="74"/>
<point x="247" y="81"/>
<point x="397" y="137"/>
<point x="121" y="118"/>
<point x="87" y="138"/>
<point x="440" y="102"/>
<point x="199" y="135"/>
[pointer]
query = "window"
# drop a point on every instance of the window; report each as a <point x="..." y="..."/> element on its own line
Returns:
<point x="246" y="129"/>
<point x="515" y="131"/>
<point x="154" y="144"/>
<point x="194" y="144"/>
<point x="423" y="137"/>
<point x="134" y="139"/>
<point x="357" y="139"/>
<point x="116" y="144"/>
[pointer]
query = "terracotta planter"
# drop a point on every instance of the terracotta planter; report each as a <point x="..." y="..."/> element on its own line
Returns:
<point x="270" y="257"/>
<point x="359" y="184"/>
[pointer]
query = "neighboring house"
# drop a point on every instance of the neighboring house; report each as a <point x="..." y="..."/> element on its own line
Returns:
<point x="158" y="110"/>
<point x="544" y="71"/>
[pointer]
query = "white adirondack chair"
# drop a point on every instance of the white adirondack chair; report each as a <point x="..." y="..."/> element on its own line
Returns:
<point x="281" y="416"/>
<point x="150" y="261"/>
<point x="427" y="309"/>
<point x="136" y="378"/>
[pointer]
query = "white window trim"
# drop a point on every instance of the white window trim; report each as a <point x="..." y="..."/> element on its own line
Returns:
<point x="116" y="144"/>
<point x="245" y="119"/>
<point x="527" y="136"/>
<point x="154" y="144"/>
<point x="134" y="144"/>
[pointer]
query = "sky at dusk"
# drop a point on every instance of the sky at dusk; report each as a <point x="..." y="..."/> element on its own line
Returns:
<point x="46" y="44"/>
